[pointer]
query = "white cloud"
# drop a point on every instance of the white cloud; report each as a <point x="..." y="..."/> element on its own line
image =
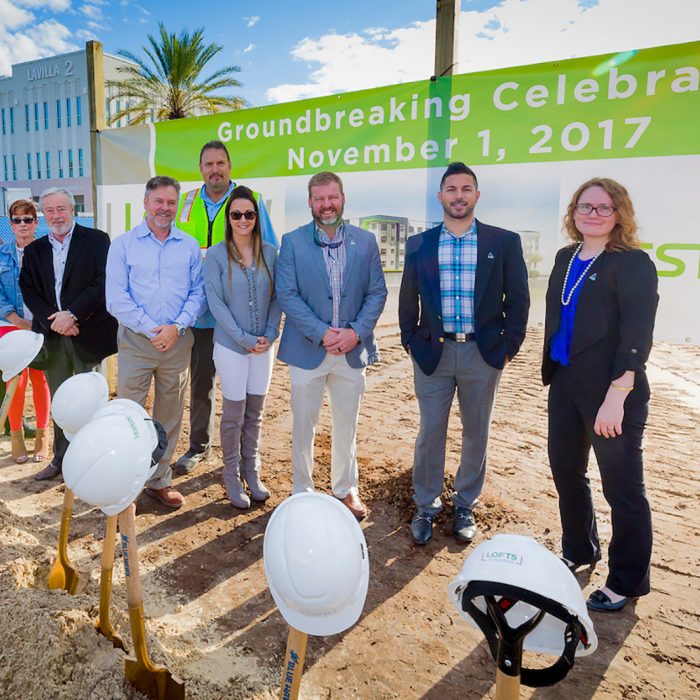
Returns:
<point x="252" y="21"/>
<point x="21" y="46"/>
<point x="249" y="48"/>
<point x="55" y="5"/>
<point x="91" y="11"/>
<point x="515" y="32"/>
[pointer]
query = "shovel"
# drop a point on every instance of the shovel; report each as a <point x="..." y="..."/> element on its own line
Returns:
<point x="293" y="664"/>
<point x="104" y="624"/>
<point x="62" y="574"/>
<point x="154" y="681"/>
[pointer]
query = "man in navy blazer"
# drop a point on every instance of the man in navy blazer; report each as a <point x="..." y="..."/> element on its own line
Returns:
<point x="330" y="285"/>
<point x="463" y="309"/>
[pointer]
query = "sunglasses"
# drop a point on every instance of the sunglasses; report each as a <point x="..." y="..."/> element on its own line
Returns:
<point x="22" y="219"/>
<point x="238" y="215"/>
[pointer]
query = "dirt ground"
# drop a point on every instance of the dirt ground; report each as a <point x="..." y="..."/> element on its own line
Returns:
<point x="212" y="621"/>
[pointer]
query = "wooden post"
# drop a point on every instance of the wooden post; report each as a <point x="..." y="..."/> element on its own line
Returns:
<point x="446" y="44"/>
<point x="96" y="109"/>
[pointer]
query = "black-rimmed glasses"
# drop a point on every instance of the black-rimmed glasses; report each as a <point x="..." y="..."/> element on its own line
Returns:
<point x="238" y="215"/>
<point x="601" y="209"/>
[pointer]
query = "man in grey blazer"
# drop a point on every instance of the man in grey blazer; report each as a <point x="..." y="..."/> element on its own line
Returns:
<point x="330" y="285"/>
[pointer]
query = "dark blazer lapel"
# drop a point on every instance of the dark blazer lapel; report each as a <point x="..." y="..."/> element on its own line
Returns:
<point x="590" y="324"/>
<point x="554" y="295"/>
<point x="78" y="239"/>
<point x="46" y="264"/>
<point x="486" y="253"/>
<point x="431" y="243"/>
<point x="316" y="252"/>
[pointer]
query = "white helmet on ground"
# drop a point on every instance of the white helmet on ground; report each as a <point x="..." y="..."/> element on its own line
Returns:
<point x="316" y="563"/>
<point x="77" y="400"/>
<point x="17" y="350"/>
<point x="511" y="581"/>
<point x="109" y="461"/>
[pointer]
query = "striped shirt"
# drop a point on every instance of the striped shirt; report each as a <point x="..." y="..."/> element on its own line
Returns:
<point x="335" y="265"/>
<point x="457" y="268"/>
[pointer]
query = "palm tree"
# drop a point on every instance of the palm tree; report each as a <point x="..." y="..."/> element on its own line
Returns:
<point x="168" y="84"/>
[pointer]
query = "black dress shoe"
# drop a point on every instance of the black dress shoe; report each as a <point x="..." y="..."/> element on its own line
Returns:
<point x="51" y="471"/>
<point x="189" y="461"/>
<point x="421" y="527"/>
<point x="464" y="528"/>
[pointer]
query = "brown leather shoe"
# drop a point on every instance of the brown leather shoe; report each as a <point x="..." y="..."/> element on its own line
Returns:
<point x="51" y="471"/>
<point x="354" y="505"/>
<point x="168" y="496"/>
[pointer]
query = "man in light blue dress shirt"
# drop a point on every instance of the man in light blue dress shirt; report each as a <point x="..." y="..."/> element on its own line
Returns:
<point x="155" y="289"/>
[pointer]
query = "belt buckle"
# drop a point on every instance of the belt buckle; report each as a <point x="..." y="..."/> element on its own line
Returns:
<point x="461" y="337"/>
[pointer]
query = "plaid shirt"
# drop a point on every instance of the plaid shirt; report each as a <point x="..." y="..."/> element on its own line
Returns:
<point x="457" y="267"/>
<point x="335" y="265"/>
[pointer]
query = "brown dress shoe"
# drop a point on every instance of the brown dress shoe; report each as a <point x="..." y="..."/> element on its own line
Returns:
<point x="51" y="471"/>
<point x="168" y="496"/>
<point x="354" y="505"/>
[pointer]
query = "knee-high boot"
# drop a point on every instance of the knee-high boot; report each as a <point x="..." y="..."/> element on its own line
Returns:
<point x="250" y="446"/>
<point x="231" y="425"/>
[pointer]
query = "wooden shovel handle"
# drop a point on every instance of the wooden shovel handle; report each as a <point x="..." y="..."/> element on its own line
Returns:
<point x="68" y="500"/>
<point x="130" y="556"/>
<point x="507" y="687"/>
<point x="293" y="664"/>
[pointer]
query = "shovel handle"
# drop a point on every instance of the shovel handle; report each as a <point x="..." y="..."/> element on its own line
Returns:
<point x="130" y="557"/>
<point x="507" y="687"/>
<point x="106" y="575"/>
<point x="68" y="500"/>
<point x="293" y="664"/>
<point x="10" y="392"/>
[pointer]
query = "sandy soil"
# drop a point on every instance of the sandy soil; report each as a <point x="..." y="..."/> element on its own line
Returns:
<point x="212" y="621"/>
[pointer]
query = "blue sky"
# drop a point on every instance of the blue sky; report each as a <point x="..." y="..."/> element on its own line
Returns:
<point x="293" y="50"/>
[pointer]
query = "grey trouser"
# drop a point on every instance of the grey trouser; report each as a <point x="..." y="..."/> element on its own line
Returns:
<point x="462" y="368"/>
<point x="139" y="363"/>
<point x="202" y="389"/>
<point x="63" y="363"/>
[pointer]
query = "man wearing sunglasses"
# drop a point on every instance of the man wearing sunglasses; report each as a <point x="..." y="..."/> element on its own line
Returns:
<point x="155" y="289"/>
<point x="201" y="214"/>
<point x="63" y="285"/>
<point x="330" y="285"/>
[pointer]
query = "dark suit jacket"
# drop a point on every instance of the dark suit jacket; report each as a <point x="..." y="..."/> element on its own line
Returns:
<point x="501" y="297"/>
<point x="614" y="321"/>
<point x="82" y="292"/>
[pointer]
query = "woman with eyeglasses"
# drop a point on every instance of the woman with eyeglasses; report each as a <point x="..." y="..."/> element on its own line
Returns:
<point x="238" y="278"/>
<point x="601" y="306"/>
<point x="13" y="312"/>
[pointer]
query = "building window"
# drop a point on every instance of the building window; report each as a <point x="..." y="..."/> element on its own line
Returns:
<point x="58" y="114"/>
<point x="60" y="164"/>
<point x="80" y="162"/>
<point x="26" y="116"/>
<point x="46" y="115"/>
<point x="36" y="116"/>
<point x="12" y="120"/>
<point x="67" y="111"/>
<point x="14" y="167"/>
<point x="38" y="166"/>
<point x="70" y="162"/>
<point x="78" y="111"/>
<point x="48" y="165"/>
<point x="3" y="124"/>
<point x="4" y="166"/>
<point x="29" y="166"/>
<point x="108" y="112"/>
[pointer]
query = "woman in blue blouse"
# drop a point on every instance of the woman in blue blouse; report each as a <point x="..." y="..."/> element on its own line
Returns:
<point x="601" y="306"/>
<point x="238" y="277"/>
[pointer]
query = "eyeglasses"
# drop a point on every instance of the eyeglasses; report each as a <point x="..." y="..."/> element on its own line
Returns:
<point x="601" y="209"/>
<point x="22" y="219"/>
<point x="238" y="215"/>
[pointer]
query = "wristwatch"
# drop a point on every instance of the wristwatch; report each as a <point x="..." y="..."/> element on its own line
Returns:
<point x="180" y="329"/>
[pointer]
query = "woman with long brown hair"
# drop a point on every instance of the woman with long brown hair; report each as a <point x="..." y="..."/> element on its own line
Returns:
<point x="239" y="281"/>
<point x="601" y="306"/>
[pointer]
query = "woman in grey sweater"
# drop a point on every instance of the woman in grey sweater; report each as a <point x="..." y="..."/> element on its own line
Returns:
<point x="238" y="277"/>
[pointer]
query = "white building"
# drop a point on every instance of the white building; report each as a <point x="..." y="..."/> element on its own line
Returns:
<point x="45" y="128"/>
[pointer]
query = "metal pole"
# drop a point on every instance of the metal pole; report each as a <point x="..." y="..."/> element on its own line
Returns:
<point x="446" y="29"/>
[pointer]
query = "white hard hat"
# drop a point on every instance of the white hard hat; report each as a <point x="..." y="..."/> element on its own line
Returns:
<point x="109" y="461"/>
<point x="129" y="407"/>
<point x="316" y="563"/>
<point x="526" y="579"/>
<point x="17" y="350"/>
<point x="77" y="400"/>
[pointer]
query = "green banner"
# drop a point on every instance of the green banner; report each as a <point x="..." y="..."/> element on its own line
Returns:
<point x="627" y="105"/>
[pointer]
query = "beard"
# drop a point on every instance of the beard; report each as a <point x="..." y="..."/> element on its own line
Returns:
<point x="61" y="229"/>
<point x="329" y="220"/>
<point x="455" y="214"/>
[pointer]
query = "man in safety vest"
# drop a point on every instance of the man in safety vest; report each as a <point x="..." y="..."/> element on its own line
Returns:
<point x="201" y="214"/>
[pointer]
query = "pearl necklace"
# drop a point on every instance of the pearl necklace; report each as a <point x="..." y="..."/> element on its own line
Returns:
<point x="566" y="300"/>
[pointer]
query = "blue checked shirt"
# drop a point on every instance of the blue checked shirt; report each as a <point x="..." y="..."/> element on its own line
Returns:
<point x="457" y="267"/>
<point x="335" y="265"/>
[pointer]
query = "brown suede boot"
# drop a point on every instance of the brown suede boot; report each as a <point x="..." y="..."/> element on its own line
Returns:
<point x="41" y="445"/>
<point x="19" y="449"/>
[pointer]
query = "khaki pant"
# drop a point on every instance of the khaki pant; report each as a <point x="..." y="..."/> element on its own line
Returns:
<point x="139" y="363"/>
